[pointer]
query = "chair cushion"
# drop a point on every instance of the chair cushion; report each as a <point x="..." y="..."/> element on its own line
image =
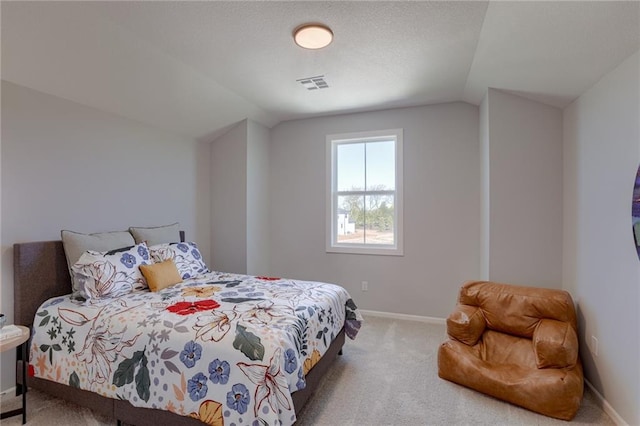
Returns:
<point x="517" y="309"/>
<point x="466" y="324"/>
<point x="505" y="349"/>
<point x="553" y="392"/>
<point x="555" y="344"/>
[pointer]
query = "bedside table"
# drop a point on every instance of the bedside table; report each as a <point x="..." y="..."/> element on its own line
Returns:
<point x="20" y="343"/>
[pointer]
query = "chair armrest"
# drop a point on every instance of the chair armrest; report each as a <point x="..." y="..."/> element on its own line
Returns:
<point x="466" y="324"/>
<point x="555" y="344"/>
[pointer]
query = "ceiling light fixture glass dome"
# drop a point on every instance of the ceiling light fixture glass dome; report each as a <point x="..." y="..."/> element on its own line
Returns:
<point x="313" y="36"/>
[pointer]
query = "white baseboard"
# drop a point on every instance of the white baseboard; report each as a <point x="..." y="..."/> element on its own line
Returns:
<point x="8" y="394"/>
<point x="431" y="320"/>
<point x="606" y="407"/>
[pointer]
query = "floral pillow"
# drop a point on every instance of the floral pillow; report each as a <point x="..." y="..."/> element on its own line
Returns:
<point x="111" y="274"/>
<point x="186" y="256"/>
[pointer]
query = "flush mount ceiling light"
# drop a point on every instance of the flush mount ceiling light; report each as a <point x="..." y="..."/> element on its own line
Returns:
<point x="312" y="36"/>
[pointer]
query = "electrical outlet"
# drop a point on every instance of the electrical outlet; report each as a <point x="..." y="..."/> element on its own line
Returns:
<point x="594" y="345"/>
<point x="365" y="285"/>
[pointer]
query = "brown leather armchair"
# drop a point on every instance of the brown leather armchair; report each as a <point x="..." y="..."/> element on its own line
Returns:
<point x="518" y="344"/>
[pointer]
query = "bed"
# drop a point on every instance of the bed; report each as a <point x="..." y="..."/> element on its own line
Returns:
<point x="167" y="367"/>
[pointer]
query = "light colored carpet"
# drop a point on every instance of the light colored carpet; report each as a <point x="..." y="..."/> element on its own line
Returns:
<point x="387" y="376"/>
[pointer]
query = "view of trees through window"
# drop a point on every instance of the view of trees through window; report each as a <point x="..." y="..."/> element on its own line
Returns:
<point x="365" y="192"/>
<point x="372" y="217"/>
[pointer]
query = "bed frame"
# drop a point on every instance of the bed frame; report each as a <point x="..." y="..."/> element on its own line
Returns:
<point x="40" y="273"/>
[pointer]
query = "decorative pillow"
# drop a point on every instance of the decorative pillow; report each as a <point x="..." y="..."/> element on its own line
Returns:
<point x="157" y="234"/>
<point x="111" y="274"/>
<point x="161" y="275"/>
<point x="75" y="244"/>
<point x="186" y="256"/>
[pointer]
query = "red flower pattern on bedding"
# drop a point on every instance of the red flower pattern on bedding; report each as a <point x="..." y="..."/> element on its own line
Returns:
<point x="268" y="278"/>
<point x="188" y="308"/>
<point x="238" y="327"/>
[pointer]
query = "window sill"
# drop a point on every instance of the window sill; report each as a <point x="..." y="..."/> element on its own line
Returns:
<point x="365" y="250"/>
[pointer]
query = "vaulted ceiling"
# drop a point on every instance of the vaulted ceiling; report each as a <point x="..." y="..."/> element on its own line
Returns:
<point x="197" y="67"/>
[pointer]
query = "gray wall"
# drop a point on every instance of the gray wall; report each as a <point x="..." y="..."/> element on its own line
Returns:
<point x="441" y="196"/>
<point x="257" y="199"/>
<point x="68" y="166"/>
<point x="522" y="166"/>
<point x="229" y="200"/>
<point x="601" y="267"/>
<point x="240" y="199"/>
<point x="485" y="189"/>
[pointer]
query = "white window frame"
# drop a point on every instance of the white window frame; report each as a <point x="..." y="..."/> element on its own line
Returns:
<point x="332" y="245"/>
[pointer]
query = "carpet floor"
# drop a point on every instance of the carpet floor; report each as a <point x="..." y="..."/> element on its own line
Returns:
<point x="387" y="376"/>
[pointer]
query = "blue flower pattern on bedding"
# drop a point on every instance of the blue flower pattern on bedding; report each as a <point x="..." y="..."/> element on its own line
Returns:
<point x="197" y="387"/>
<point x="219" y="371"/>
<point x="191" y="353"/>
<point x="186" y="256"/>
<point x="143" y="252"/>
<point x="238" y="398"/>
<point x="110" y="274"/>
<point x="223" y="348"/>
<point x="290" y="362"/>
<point x="196" y="254"/>
<point x="301" y="384"/>
<point x="128" y="260"/>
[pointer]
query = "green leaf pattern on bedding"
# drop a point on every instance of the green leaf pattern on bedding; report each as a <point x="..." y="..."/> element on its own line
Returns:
<point x="125" y="374"/>
<point x="224" y="348"/>
<point x="248" y="343"/>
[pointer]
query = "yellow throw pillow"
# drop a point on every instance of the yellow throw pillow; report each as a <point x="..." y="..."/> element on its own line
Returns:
<point x="161" y="275"/>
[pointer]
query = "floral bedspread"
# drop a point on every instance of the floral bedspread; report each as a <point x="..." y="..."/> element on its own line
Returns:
<point x="223" y="348"/>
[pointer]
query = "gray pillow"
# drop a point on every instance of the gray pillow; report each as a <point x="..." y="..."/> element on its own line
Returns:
<point x="75" y="244"/>
<point x="156" y="234"/>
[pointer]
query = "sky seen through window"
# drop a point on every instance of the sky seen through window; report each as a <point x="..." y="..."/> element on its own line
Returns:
<point x="377" y="159"/>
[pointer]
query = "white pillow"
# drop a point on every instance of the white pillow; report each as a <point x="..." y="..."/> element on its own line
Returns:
<point x="75" y="244"/>
<point x="111" y="274"/>
<point x="157" y="234"/>
<point x="186" y="256"/>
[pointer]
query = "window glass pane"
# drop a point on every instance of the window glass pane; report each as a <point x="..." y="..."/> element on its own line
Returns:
<point x="381" y="165"/>
<point x="350" y="166"/>
<point x="350" y="219"/>
<point x="378" y="219"/>
<point x="364" y="211"/>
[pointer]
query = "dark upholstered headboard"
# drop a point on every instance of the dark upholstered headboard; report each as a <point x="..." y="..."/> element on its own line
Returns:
<point x="40" y="272"/>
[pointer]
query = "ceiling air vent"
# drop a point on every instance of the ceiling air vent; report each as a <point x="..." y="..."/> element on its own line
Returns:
<point x="314" y="83"/>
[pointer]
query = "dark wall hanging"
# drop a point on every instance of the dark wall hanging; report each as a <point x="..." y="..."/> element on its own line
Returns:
<point x="635" y="212"/>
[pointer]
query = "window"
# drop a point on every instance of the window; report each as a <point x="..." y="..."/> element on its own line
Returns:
<point x="364" y="192"/>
